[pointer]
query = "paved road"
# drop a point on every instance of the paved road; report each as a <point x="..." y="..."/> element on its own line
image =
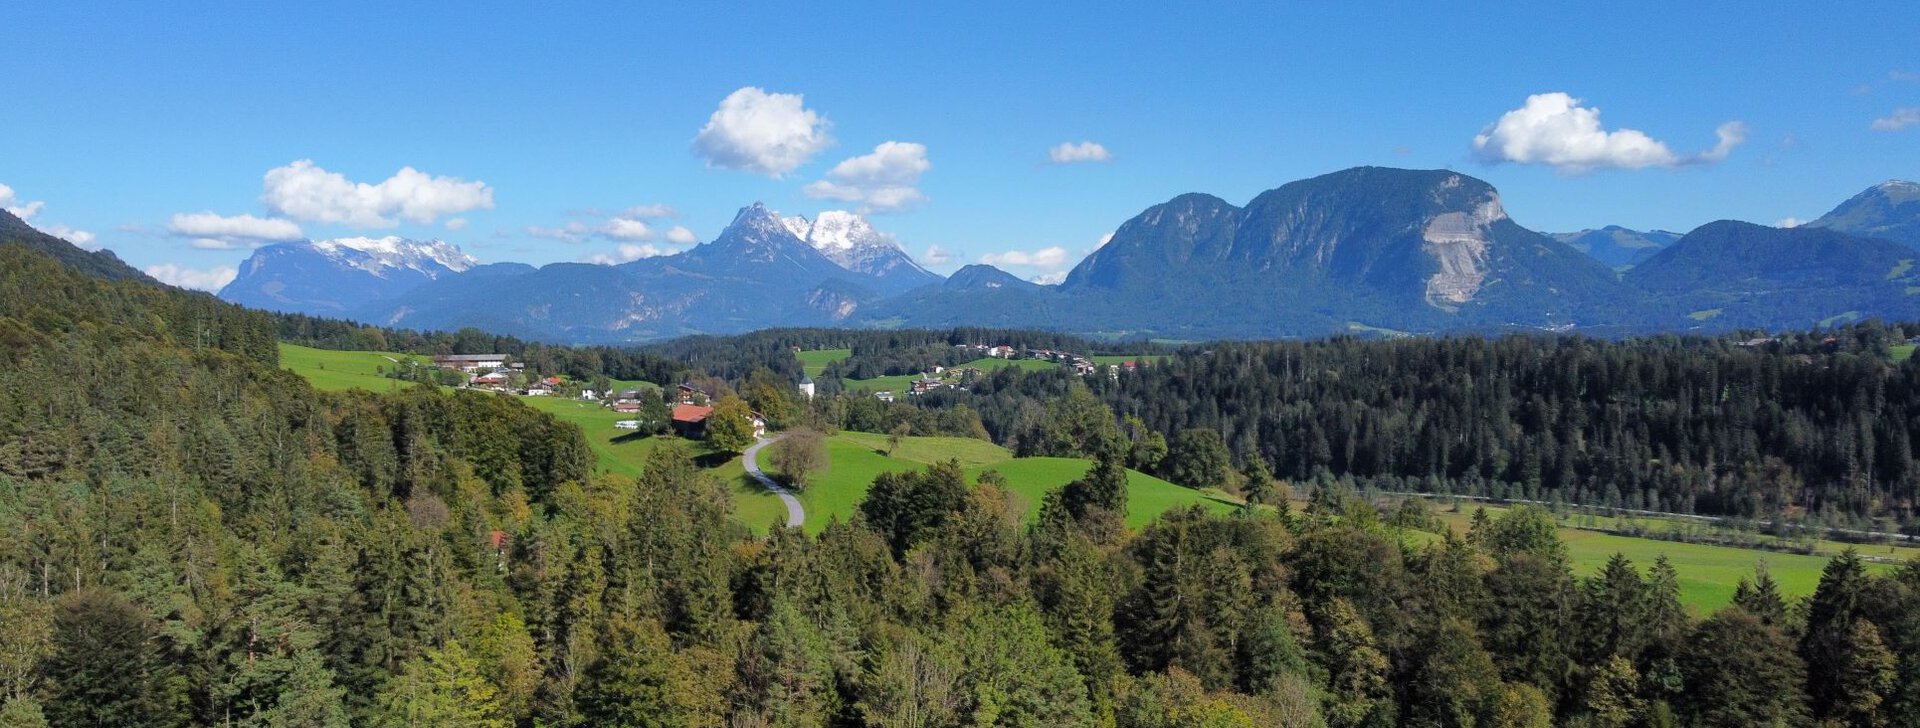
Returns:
<point x="795" y="515"/>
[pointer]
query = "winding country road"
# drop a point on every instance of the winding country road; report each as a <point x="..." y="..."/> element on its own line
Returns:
<point x="795" y="514"/>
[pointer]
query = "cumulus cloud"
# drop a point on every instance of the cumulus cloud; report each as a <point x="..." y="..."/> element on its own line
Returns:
<point x="680" y="235"/>
<point x="571" y="232"/>
<point x="457" y="224"/>
<point x="625" y="254"/>
<point x="755" y="131"/>
<point x="1104" y="239"/>
<point x="1050" y="279"/>
<point x="1555" y="130"/>
<point x="885" y="180"/>
<point x="1071" y="153"/>
<point x="1789" y="222"/>
<point x="936" y="255"/>
<point x="1901" y="118"/>
<point x="625" y="228"/>
<point x="78" y="237"/>
<point x="208" y="279"/>
<point x="211" y="231"/>
<point x="20" y="208"/>
<point x="304" y="191"/>
<point x="1047" y="258"/>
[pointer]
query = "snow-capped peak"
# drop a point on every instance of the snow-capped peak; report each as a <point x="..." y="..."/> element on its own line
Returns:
<point x="799" y="225"/>
<point x="839" y="230"/>
<point x="376" y="255"/>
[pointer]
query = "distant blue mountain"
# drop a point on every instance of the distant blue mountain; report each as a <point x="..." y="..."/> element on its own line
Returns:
<point x="1361" y="250"/>
<point x="339" y="277"/>
<point x="1617" y="247"/>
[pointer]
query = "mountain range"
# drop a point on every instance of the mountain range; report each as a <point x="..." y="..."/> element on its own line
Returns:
<point x="1367" y="249"/>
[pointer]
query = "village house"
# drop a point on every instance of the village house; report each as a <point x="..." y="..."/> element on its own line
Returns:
<point x="806" y="385"/>
<point x="690" y="421"/>
<point x="926" y="384"/>
<point x="491" y="380"/>
<point x="689" y="394"/>
<point x="626" y="405"/>
<point x="470" y="362"/>
<point x="883" y="396"/>
<point x="539" y="390"/>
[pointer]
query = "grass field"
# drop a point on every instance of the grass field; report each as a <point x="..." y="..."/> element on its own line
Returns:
<point x="856" y="458"/>
<point x="1708" y="573"/>
<point x="816" y="361"/>
<point x="1147" y="496"/>
<point x="901" y="384"/>
<point x="1902" y="352"/>
<point x="338" y="370"/>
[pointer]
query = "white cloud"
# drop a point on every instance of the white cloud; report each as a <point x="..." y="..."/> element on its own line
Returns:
<point x="80" y="238"/>
<point x="650" y="212"/>
<point x="571" y="232"/>
<point x="210" y="279"/>
<point x="883" y="181"/>
<point x="1554" y="130"/>
<point x="625" y="254"/>
<point x="623" y="228"/>
<point x="1789" y="222"/>
<point x="215" y="232"/>
<point x="1045" y="258"/>
<point x="1071" y="153"/>
<point x="936" y="255"/>
<point x="304" y="191"/>
<point x="1104" y="239"/>
<point x="456" y="224"/>
<point x="680" y="235"/>
<point x="1901" y="118"/>
<point x="755" y="131"/>
<point x="1050" y="279"/>
<point x="20" y="208"/>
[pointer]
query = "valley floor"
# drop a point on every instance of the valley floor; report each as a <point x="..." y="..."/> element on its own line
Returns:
<point x="1708" y="573"/>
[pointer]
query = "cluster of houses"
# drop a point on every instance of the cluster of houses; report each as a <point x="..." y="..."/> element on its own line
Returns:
<point x="688" y="417"/>
<point x="492" y="372"/>
<point x="1081" y="364"/>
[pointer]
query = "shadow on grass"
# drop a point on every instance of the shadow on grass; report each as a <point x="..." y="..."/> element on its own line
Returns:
<point x="712" y="459"/>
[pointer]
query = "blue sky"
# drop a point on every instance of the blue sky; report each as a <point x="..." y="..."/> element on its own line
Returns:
<point x="542" y="129"/>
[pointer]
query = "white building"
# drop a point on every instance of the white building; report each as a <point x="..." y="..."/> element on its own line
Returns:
<point x="806" y="385"/>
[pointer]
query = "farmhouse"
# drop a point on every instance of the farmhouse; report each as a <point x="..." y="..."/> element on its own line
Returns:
<point x="491" y="379"/>
<point x="470" y="362"/>
<point x="690" y="421"/>
<point x="626" y="405"/>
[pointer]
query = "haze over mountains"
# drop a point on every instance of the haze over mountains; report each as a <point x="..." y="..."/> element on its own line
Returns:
<point x="1364" y="249"/>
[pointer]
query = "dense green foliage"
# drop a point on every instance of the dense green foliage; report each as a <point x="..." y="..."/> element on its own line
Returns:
<point x="189" y="536"/>
<point x="1821" y="425"/>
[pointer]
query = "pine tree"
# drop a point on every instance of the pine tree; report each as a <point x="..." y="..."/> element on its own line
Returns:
<point x="1761" y="597"/>
<point x="105" y="667"/>
<point x="1358" y="694"/>
<point x="441" y="687"/>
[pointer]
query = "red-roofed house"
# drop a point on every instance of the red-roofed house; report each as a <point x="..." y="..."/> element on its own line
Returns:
<point x="690" y="420"/>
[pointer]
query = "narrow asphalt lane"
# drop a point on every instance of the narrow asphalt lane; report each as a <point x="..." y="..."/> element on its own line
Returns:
<point x="751" y="458"/>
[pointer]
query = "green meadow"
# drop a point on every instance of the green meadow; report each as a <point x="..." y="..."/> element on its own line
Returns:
<point x="1708" y="573"/>
<point x="337" y="370"/>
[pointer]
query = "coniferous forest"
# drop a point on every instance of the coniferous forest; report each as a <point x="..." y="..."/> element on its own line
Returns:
<point x="190" y="536"/>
